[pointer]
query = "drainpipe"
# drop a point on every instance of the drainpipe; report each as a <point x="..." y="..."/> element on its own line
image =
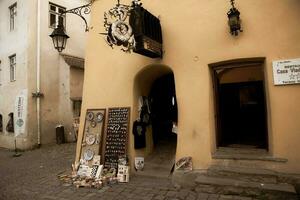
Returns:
<point x="38" y="67"/>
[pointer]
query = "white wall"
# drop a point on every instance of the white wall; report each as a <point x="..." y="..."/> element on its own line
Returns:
<point x="12" y="42"/>
<point x="54" y="73"/>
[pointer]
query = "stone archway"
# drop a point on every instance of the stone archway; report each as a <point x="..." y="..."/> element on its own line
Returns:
<point x="156" y="82"/>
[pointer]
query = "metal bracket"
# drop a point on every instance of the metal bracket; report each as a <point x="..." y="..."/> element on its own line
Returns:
<point x="79" y="11"/>
<point x="232" y="3"/>
<point x="37" y="95"/>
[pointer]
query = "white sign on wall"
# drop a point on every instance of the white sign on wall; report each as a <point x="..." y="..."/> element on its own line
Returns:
<point x="20" y="113"/>
<point x="286" y="72"/>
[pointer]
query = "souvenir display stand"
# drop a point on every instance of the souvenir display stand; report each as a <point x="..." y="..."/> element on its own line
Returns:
<point x="93" y="135"/>
<point x="96" y="168"/>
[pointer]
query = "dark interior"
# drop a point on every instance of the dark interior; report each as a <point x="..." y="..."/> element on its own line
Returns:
<point x="163" y="108"/>
<point x="242" y="114"/>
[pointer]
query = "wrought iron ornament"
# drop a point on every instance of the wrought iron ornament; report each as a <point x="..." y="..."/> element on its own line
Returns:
<point x="119" y="31"/>
<point x="81" y="11"/>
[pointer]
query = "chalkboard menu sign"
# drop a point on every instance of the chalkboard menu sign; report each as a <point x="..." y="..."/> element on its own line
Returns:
<point x="116" y="135"/>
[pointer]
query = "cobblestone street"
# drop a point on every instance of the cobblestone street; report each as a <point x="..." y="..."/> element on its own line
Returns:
<point x="34" y="176"/>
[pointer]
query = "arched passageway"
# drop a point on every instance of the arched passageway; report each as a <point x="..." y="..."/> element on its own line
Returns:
<point x="155" y="95"/>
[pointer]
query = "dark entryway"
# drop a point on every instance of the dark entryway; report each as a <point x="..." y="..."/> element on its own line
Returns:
<point x="242" y="114"/>
<point x="240" y="104"/>
<point x="163" y="109"/>
<point x="155" y="94"/>
<point x="163" y="117"/>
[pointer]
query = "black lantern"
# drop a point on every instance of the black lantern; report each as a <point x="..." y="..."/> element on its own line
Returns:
<point x="59" y="38"/>
<point x="234" y="21"/>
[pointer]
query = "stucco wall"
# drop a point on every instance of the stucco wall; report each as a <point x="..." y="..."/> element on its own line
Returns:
<point x="55" y="74"/>
<point x="13" y="42"/>
<point x="76" y="82"/>
<point x="195" y="34"/>
<point x="23" y="42"/>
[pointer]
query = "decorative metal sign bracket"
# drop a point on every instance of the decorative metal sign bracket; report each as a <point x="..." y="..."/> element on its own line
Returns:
<point x="59" y="36"/>
<point x="80" y="11"/>
<point x="118" y="30"/>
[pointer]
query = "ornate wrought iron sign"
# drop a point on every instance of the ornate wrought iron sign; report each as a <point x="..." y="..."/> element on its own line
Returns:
<point x="147" y="32"/>
<point x="134" y="29"/>
<point x="119" y="32"/>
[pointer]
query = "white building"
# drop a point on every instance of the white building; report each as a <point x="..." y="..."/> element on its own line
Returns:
<point x="29" y="62"/>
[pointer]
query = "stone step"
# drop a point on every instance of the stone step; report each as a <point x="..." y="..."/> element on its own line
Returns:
<point x="155" y="171"/>
<point x="219" y="185"/>
<point x="244" y="174"/>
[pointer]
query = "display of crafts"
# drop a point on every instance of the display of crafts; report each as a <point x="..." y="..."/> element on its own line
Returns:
<point x="90" y="172"/>
<point x="90" y="139"/>
<point x="92" y="133"/>
<point x="88" y="154"/>
<point x="95" y="176"/>
<point x="90" y="116"/>
<point x="99" y="117"/>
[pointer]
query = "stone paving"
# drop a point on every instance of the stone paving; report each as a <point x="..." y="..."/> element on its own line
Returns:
<point x="33" y="176"/>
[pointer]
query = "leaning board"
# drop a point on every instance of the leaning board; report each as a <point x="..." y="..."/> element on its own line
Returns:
<point x="116" y="135"/>
<point x="92" y="134"/>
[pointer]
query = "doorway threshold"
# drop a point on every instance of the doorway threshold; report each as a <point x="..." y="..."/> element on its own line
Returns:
<point x="245" y="154"/>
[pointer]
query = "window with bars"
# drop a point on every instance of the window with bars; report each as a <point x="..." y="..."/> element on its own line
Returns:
<point x="76" y="108"/>
<point x="12" y="67"/>
<point x="55" y="16"/>
<point x="13" y="16"/>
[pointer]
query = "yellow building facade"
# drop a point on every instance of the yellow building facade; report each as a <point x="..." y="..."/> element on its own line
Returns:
<point x="230" y="112"/>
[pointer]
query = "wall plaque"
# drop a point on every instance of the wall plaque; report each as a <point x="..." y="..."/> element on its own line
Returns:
<point x="286" y="72"/>
<point x="116" y="135"/>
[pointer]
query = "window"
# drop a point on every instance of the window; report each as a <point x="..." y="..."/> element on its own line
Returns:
<point x="55" y="16"/>
<point x="12" y="67"/>
<point x="12" y="16"/>
<point x="76" y="108"/>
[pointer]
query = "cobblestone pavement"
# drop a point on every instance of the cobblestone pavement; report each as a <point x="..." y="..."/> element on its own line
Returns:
<point x="34" y="176"/>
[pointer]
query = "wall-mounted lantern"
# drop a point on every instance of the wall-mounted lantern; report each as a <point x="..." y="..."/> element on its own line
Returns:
<point x="234" y="20"/>
<point x="59" y="36"/>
